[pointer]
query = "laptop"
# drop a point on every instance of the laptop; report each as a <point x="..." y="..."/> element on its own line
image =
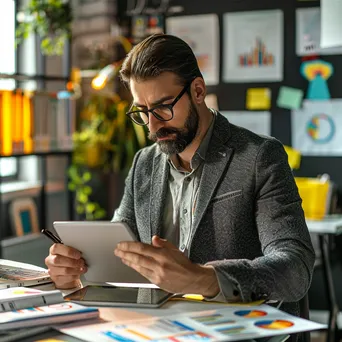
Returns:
<point x="13" y="274"/>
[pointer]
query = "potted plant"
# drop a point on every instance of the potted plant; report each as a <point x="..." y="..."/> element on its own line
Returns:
<point x="51" y="20"/>
<point x="105" y="143"/>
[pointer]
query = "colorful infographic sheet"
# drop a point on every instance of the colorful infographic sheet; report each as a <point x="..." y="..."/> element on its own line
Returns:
<point x="225" y="324"/>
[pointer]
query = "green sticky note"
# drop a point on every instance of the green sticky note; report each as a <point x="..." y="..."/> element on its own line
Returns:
<point x="290" y="98"/>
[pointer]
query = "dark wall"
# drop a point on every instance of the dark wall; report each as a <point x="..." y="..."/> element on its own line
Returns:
<point x="232" y="96"/>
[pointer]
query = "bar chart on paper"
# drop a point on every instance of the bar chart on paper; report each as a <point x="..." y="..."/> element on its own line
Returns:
<point x="257" y="56"/>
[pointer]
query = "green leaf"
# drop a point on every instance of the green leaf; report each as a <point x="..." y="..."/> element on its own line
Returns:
<point x="99" y="214"/>
<point x="71" y="186"/>
<point x="86" y="176"/>
<point x="90" y="207"/>
<point x="82" y="198"/>
<point x="87" y="190"/>
<point x="80" y="209"/>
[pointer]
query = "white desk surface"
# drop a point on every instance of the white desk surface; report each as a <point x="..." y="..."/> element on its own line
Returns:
<point x="125" y="314"/>
<point x="329" y="225"/>
<point x="169" y="308"/>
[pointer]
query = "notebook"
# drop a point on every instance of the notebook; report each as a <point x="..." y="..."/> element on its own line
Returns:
<point x="13" y="274"/>
<point x="17" y="298"/>
<point x="46" y="315"/>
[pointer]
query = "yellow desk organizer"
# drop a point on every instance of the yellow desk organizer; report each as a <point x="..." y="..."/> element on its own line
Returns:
<point x="316" y="196"/>
<point x="315" y="192"/>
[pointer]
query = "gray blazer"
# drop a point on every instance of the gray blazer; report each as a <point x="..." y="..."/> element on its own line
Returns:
<point x="248" y="221"/>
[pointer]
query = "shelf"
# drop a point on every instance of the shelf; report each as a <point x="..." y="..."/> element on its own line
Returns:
<point x="39" y="154"/>
<point x="15" y="240"/>
<point x="25" y="77"/>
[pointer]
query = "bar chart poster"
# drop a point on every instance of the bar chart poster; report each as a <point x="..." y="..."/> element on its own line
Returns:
<point x="253" y="46"/>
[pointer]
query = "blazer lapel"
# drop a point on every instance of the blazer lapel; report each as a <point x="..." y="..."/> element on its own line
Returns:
<point x="216" y="162"/>
<point x="160" y="174"/>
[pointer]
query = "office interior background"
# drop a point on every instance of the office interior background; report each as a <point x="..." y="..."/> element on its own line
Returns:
<point x="66" y="145"/>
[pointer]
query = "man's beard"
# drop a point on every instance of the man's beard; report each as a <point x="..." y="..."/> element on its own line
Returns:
<point x="182" y="137"/>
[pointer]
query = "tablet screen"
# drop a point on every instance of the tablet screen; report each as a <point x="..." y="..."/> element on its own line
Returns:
<point x="113" y="294"/>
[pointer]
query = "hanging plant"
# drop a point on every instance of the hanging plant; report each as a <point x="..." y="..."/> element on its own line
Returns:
<point x="51" y="20"/>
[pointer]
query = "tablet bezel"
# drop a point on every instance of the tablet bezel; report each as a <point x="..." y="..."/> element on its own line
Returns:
<point x="97" y="240"/>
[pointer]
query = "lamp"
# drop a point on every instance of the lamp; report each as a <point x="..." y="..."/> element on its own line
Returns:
<point x="111" y="70"/>
<point x="105" y="75"/>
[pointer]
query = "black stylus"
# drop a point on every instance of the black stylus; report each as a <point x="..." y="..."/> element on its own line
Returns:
<point x="51" y="236"/>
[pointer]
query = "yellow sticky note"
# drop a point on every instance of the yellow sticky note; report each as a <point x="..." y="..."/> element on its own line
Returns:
<point x="197" y="297"/>
<point x="294" y="157"/>
<point x="258" y="98"/>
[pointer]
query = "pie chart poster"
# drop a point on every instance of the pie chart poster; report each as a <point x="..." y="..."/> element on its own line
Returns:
<point x="317" y="128"/>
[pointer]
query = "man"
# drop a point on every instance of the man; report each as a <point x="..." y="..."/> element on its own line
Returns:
<point x="215" y="206"/>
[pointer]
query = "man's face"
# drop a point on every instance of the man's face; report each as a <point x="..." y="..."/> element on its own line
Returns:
<point x="175" y="135"/>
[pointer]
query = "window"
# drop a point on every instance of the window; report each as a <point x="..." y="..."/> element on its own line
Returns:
<point x="8" y="166"/>
<point x="7" y="42"/>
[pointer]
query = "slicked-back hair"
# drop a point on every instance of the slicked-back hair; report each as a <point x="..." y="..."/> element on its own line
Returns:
<point x="157" y="54"/>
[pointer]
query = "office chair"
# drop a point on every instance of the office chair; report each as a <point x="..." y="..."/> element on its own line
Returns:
<point x="304" y="313"/>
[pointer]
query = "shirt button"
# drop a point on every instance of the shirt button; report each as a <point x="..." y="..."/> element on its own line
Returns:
<point x="182" y="247"/>
<point x="184" y="211"/>
<point x="187" y="179"/>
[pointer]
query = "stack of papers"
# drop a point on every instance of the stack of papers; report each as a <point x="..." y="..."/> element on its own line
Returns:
<point x="228" y="323"/>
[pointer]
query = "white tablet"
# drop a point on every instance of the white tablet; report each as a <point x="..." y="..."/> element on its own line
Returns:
<point x="97" y="240"/>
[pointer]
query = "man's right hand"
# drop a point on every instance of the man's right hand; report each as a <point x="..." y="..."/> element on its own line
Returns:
<point x="65" y="265"/>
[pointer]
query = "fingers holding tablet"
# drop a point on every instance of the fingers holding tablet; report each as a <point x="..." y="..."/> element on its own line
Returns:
<point x="65" y="265"/>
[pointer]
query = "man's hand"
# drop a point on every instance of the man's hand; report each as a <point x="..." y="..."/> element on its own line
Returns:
<point x="65" y="266"/>
<point x="166" y="266"/>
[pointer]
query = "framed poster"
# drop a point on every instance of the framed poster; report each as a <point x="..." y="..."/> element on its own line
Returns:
<point x="253" y="46"/>
<point x="316" y="128"/>
<point x="201" y="32"/>
<point x="308" y="33"/>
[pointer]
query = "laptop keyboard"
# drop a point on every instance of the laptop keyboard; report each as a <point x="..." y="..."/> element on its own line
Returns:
<point x="18" y="273"/>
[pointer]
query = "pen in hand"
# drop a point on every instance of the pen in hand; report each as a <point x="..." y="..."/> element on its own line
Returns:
<point x="51" y="236"/>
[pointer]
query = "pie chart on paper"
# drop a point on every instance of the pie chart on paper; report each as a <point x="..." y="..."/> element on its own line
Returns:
<point x="250" y="313"/>
<point x="277" y="324"/>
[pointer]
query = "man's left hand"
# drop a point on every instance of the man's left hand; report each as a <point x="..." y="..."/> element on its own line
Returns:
<point x="163" y="264"/>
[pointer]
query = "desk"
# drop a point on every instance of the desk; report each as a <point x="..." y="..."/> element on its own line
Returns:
<point x="325" y="228"/>
<point x="169" y="308"/>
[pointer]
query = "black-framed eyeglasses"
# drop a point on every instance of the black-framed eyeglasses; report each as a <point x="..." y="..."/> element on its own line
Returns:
<point x="162" y="112"/>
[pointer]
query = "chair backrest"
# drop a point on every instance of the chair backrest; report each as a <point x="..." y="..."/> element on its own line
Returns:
<point x="24" y="216"/>
<point x="305" y="313"/>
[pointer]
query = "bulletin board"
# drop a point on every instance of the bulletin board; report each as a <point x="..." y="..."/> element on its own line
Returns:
<point x="232" y="96"/>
